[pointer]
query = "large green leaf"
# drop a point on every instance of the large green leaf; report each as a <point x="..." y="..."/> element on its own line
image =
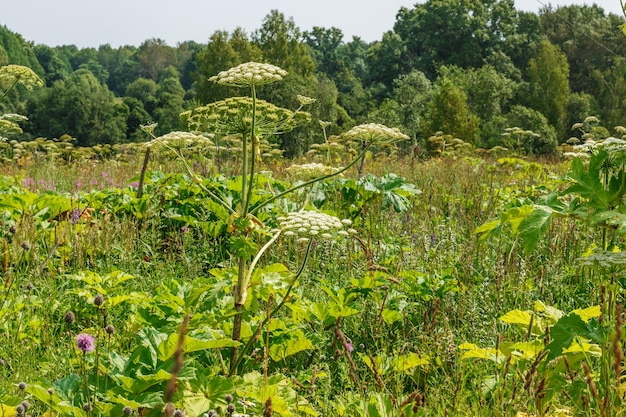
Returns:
<point x="191" y="344"/>
<point x="611" y="218"/>
<point x="587" y="182"/>
<point x="569" y="328"/>
<point x="533" y="227"/>
<point x="297" y="342"/>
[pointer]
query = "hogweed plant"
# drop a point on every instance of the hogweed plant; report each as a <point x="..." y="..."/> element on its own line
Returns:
<point x="594" y="195"/>
<point x="10" y="77"/>
<point x="255" y="120"/>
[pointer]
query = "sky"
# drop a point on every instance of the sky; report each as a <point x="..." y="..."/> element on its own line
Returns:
<point x="89" y="23"/>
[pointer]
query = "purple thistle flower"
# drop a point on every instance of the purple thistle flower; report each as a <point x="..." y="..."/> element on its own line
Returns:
<point x="134" y="184"/>
<point x="28" y="182"/>
<point x="75" y="215"/>
<point x="85" y="342"/>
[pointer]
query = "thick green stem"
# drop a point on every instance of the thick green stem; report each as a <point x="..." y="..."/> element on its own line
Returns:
<point x="205" y="189"/>
<point x="142" y="175"/>
<point x="253" y="151"/>
<point x="239" y="302"/>
<point x="8" y="89"/>
<point x="250" y="342"/>
<point x="246" y="194"/>
<point x="313" y="181"/>
<point x="244" y="171"/>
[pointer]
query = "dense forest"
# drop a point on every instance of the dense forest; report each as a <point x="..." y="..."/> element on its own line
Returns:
<point x="470" y="70"/>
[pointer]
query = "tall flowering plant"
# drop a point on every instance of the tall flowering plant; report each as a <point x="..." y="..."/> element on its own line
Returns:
<point x="253" y="120"/>
<point x="10" y="77"/>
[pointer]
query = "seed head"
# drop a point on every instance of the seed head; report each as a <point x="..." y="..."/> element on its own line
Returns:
<point x="25" y="245"/>
<point x="110" y="329"/>
<point x="229" y="398"/>
<point x="127" y="410"/>
<point x="19" y="410"/>
<point x="69" y="317"/>
<point x="249" y="74"/>
<point x="87" y="407"/>
<point x="374" y="132"/>
<point x="180" y="140"/>
<point x="22" y="385"/>
<point x="310" y="170"/>
<point x="230" y="408"/>
<point x="98" y="300"/>
<point x="50" y="391"/>
<point x="179" y="413"/>
<point x="26" y="405"/>
<point x="306" y="224"/>
<point x="12" y="229"/>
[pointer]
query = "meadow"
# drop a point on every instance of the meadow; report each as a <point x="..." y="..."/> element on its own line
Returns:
<point x="203" y="274"/>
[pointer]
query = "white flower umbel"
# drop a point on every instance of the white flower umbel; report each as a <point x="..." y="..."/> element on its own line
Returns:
<point x="179" y="140"/>
<point x="249" y="74"/>
<point x="18" y="74"/>
<point x="611" y="145"/>
<point x="308" y="224"/>
<point x="311" y="170"/>
<point x="374" y="132"/>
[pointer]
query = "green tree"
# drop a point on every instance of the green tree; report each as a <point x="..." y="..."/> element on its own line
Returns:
<point x="120" y="65"/>
<point x="462" y="33"/>
<point x="137" y="116"/>
<point x="449" y="113"/>
<point x="81" y="107"/>
<point x="153" y="57"/>
<point x="144" y="90"/>
<point x="223" y="51"/>
<point x="18" y="51"/>
<point x="351" y="82"/>
<point x="170" y="96"/>
<point x="325" y="45"/>
<point x="386" y="60"/>
<point x="528" y="119"/>
<point x="612" y="93"/>
<point x="407" y="107"/>
<point x="588" y="37"/>
<point x="189" y="62"/>
<point x="282" y="44"/>
<point x="489" y="92"/>
<point x="97" y="70"/>
<point x="548" y="75"/>
<point x="579" y="107"/>
<point x="56" y="66"/>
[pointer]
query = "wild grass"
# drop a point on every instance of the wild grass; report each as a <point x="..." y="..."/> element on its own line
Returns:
<point x="419" y="282"/>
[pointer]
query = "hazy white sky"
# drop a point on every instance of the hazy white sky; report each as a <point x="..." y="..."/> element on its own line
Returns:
<point x="130" y="22"/>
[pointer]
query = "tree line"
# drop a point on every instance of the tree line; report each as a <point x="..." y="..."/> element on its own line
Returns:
<point x="469" y="70"/>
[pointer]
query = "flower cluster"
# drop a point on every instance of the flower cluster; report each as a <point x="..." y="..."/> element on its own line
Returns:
<point x="611" y="145"/>
<point x="311" y="170"/>
<point x="234" y="116"/>
<point x="180" y="140"/>
<point x="249" y="74"/>
<point x="85" y="342"/>
<point x="374" y="132"/>
<point x="307" y="224"/>
<point x="304" y="100"/>
<point x="604" y="259"/>
<point x="22" y="75"/>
